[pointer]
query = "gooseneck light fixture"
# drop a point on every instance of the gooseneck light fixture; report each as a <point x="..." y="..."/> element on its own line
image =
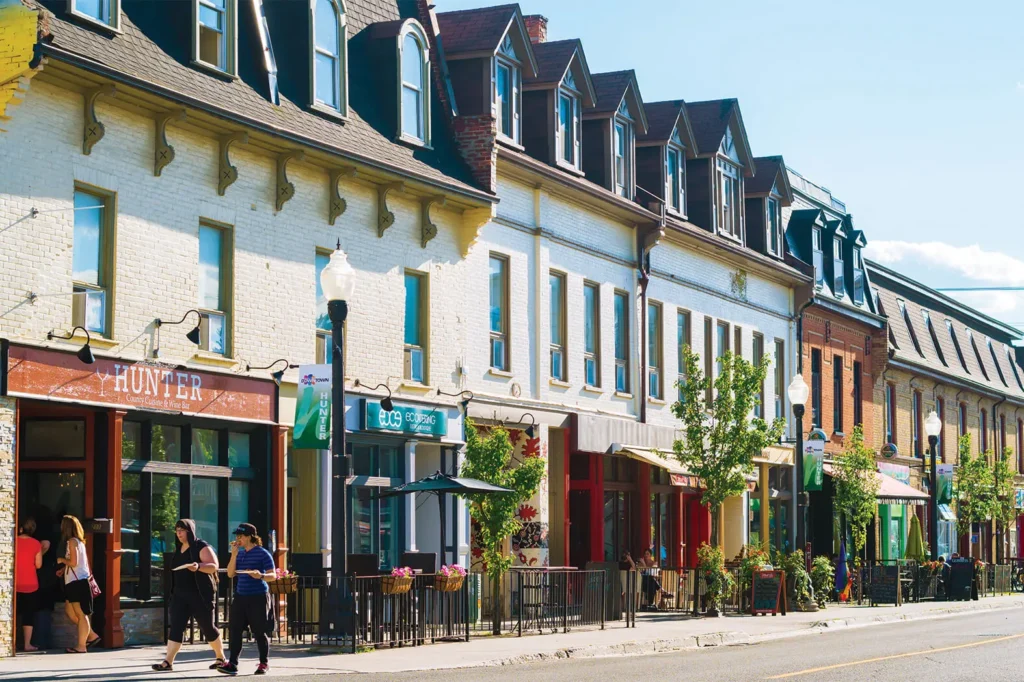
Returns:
<point x="465" y="395"/>
<point x="531" y="430"/>
<point x="279" y="374"/>
<point x="386" y="403"/>
<point x="85" y="352"/>
<point x="194" y="336"/>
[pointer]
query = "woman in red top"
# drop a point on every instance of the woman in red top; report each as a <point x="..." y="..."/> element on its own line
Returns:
<point x="26" y="582"/>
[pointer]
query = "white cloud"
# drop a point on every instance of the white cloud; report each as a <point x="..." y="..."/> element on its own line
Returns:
<point x="973" y="262"/>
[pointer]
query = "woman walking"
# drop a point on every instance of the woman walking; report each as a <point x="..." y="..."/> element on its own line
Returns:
<point x="26" y="580"/>
<point x="77" y="590"/>
<point x="193" y="593"/>
<point x="253" y="566"/>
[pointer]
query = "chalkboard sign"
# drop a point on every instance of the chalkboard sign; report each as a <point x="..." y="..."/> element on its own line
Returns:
<point x="768" y="593"/>
<point x="885" y="585"/>
<point x="961" y="575"/>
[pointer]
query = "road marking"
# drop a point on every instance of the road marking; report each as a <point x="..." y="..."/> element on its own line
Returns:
<point x="895" y="656"/>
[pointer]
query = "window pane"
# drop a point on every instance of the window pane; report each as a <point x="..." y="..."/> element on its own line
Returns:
<point x="327" y="79"/>
<point x="497" y="294"/>
<point x="412" y="122"/>
<point x="95" y="309"/>
<point x="621" y="327"/>
<point x="88" y="239"/>
<point x="131" y="441"/>
<point x="323" y="321"/>
<point x="505" y="99"/>
<point x="654" y="335"/>
<point x="238" y="450"/>
<point x="210" y="259"/>
<point x="166" y="446"/>
<point x="238" y="503"/>
<point x="131" y="521"/>
<point x="362" y="520"/>
<point x="217" y="334"/>
<point x="673" y="178"/>
<point x="205" y="447"/>
<point x="590" y="318"/>
<point x="557" y="283"/>
<point x="205" y="496"/>
<point x="326" y="27"/>
<point x="166" y="510"/>
<point x="413" y="308"/>
<point x="97" y="9"/>
<point x="412" y="62"/>
<point x="566" y="122"/>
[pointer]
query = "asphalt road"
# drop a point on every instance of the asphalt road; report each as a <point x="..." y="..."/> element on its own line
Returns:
<point x="987" y="646"/>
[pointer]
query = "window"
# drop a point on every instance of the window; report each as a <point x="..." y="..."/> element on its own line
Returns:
<point x="977" y="354"/>
<point x="859" y="279"/>
<point x="376" y="522"/>
<point x="819" y="258"/>
<point x="910" y="327"/>
<point x="682" y="346"/>
<point x="214" y="35"/>
<point x="774" y="223"/>
<point x="709" y="363"/>
<point x="915" y="423"/>
<point x="622" y="342"/>
<point x="323" y="320"/>
<point x="722" y="345"/>
<point x="758" y="358"/>
<point x="499" y="312"/>
<point x="556" y="281"/>
<point x="329" y="48"/>
<point x="956" y="344"/>
<point x="940" y="412"/>
<point x="816" y="388"/>
<point x="961" y="422"/>
<point x="838" y="268"/>
<point x="591" y="334"/>
<point x="415" y="96"/>
<point x="935" y="338"/>
<point x="507" y="91"/>
<point x="416" y="315"/>
<point x="106" y="12"/>
<point x="675" y="176"/>
<point x="995" y="361"/>
<point x="620" y="158"/>
<point x="569" y="129"/>
<point x="858" y="395"/>
<point x="729" y="184"/>
<point x="1016" y="372"/>
<point x="983" y="428"/>
<point x="1002" y="435"/>
<point x="92" y="255"/>
<point x="737" y="346"/>
<point x="214" y="288"/>
<point x="837" y="394"/>
<point x="780" y="379"/>
<point x="890" y="413"/>
<point x="654" y="355"/>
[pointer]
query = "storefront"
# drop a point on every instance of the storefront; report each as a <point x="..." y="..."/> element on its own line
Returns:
<point x="129" y="448"/>
<point x="771" y="501"/>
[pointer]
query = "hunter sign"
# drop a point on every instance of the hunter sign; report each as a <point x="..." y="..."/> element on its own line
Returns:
<point x="313" y="408"/>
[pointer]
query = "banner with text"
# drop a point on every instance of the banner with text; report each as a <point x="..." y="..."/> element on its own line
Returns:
<point x="313" y="408"/>
<point x="944" y="491"/>
<point x="814" y="464"/>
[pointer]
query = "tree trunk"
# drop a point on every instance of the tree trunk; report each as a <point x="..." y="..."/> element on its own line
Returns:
<point x="496" y="605"/>
<point x="715" y="513"/>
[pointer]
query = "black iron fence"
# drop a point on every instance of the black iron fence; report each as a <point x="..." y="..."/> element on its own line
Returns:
<point x="538" y="601"/>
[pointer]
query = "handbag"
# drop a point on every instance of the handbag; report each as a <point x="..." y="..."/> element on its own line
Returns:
<point x="94" y="587"/>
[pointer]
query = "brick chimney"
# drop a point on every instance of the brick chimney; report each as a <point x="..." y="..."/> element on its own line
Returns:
<point x="537" y="27"/>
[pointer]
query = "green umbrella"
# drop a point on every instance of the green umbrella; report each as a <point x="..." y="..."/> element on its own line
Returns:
<point x="915" y="545"/>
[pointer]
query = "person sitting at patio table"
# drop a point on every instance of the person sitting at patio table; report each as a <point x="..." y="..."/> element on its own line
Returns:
<point x="650" y="584"/>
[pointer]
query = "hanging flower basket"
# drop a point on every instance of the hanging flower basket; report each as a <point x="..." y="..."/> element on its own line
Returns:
<point x="448" y="583"/>
<point x="288" y="584"/>
<point x="395" y="584"/>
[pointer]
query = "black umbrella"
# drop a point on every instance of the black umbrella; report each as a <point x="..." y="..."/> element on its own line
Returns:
<point x="441" y="484"/>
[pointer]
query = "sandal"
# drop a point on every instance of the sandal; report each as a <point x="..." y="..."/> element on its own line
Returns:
<point x="163" y="666"/>
<point x="69" y="650"/>
<point x="90" y="644"/>
<point x="218" y="663"/>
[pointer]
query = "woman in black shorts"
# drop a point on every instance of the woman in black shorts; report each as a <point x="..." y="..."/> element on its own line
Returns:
<point x="193" y="593"/>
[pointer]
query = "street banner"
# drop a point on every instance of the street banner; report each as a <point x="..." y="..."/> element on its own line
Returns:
<point x="944" y="489"/>
<point x="814" y="464"/>
<point x="313" y="408"/>
<point x="1020" y="498"/>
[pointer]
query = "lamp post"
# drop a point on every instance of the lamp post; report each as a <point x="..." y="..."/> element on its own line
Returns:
<point x="932" y="427"/>
<point x="797" y="393"/>
<point x="338" y="281"/>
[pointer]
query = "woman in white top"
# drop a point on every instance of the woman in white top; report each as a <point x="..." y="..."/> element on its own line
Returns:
<point x="77" y="591"/>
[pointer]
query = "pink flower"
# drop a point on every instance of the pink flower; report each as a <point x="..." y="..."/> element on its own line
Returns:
<point x="401" y="572"/>
<point x="453" y="570"/>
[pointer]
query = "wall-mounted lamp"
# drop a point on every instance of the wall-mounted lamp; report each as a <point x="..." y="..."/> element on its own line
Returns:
<point x="531" y="430"/>
<point x="387" y="403"/>
<point x="465" y="395"/>
<point x="85" y="352"/>
<point x="193" y="336"/>
<point x="279" y="374"/>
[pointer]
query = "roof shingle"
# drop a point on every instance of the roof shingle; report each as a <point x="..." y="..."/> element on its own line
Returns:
<point x="475" y="30"/>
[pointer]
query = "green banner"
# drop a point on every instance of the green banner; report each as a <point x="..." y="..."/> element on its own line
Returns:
<point x="313" y="408"/>
<point x="405" y="419"/>
<point x="944" y="491"/>
<point x="814" y="463"/>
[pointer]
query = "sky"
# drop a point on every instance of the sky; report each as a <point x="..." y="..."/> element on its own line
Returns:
<point x="909" y="111"/>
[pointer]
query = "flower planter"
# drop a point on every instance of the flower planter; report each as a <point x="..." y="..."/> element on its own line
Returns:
<point x="448" y="583"/>
<point x="393" y="584"/>
<point x="286" y="585"/>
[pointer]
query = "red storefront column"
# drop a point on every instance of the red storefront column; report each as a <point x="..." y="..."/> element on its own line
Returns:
<point x="597" y="509"/>
<point x="279" y="488"/>
<point x="643" y="493"/>
<point x="113" y="635"/>
<point x="676" y="556"/>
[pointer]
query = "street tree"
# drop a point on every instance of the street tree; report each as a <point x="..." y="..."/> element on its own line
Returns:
<point x="973" y="487"/>
<point x="856" y="486"/>
<point x="1004" y="508"/>
<point x="489" y="458"/>
<point x="720" y="437"/>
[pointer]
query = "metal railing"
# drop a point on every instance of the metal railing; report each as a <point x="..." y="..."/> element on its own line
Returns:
<point x="538" y="601"/>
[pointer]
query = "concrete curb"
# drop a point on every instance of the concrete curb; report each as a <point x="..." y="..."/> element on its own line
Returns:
<point x="658" y="646"/>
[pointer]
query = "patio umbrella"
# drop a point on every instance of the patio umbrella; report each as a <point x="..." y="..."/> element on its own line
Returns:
<point x="842" y="575"/>
<point x="915" y="545"/>
<point x="441" y="484"/>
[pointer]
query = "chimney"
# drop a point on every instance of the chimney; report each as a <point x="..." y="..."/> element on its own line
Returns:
<point x="537" y="27"/>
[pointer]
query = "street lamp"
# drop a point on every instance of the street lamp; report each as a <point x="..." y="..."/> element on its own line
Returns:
<point x="932" y="427"/>
<point x="797" y="393"/>
<point x="338" y="281"/>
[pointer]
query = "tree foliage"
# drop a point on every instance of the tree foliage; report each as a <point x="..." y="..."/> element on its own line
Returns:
<point x="856" y="486"/>
<point x="974" y="487"/>
<point x="1004" y="509"/>
<point x="720" y="437"/>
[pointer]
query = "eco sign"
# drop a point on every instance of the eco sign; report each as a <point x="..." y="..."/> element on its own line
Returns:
<point x="404" y="419"/>
<point x="313" y="408"/>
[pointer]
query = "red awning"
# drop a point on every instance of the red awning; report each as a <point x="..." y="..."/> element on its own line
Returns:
<point x="891" y="491"/>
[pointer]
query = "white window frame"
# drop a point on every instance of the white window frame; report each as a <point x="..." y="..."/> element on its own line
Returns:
<point x="592" y="358"/>
<point x="573" y="98"/>
<point x="420" y="35"/>
<point x="838" y="268"/>
<point x="678" y="182"/>
<point x="418" y="353"/>
<point x="558" y="368"/>
<point x="730" y="201"/>
<point x="340" y="12"/>
<point x="622" y="185"/>
<point x="858" y="268"/>
<point x="505" y="59"/>
<point x="773" y="211"/>
<point x="113" y="14"/>
<point x="226" y="284"/>
<point x="818" y="258"/>
<point x="230" y="51"/>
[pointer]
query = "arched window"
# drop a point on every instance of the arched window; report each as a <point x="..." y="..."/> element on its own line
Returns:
<point x="328" y="28"/>
<point x="415" y="85"/>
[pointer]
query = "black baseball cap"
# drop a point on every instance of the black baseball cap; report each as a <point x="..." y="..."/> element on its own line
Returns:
<point x="245" y="529"/>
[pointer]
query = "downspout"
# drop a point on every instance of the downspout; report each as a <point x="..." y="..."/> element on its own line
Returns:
<point x="647" y="239"/>
<point x="538" y="317"/>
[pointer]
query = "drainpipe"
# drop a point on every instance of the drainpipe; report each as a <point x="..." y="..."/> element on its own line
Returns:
<point x="647" y="239"/>
<point x="538" y="317"/>
<point x="800" y="335"/>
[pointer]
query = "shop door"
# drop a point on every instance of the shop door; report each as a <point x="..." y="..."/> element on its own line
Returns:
<point x="579" y="528"/>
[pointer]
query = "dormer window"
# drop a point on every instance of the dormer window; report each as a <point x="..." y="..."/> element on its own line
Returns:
<point x="569" y="123"/>
<point x="415" y="85"/>
<point x="819" y="258"/>
<point x="859" y="279"/>
<point x="508" y="86"/>
<point x="910" y="327"/>
<point x="838" y="268"/>
<point x="329" y="48"/>
<point x="977" y="354"/>
<point x="730" y="188"/>
<point x="995" y="361"/>
<point x="214" y="34"/>
<point x="675" y="176"/>
<point x="106" y="12"/>
<point x="956" y="345"/>
<point x="622" y="146"/>
<point x="935" y="338"/>
<point x="774" y="223"/>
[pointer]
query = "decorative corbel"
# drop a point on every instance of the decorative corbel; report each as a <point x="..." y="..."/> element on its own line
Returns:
<point x="647" y="237"/>
<point x="228" y="173"/>
<point x="285" y="189"/>
<point x="164" y="151"/>
<point x="336" y="204"/>
<point x="94" y="130"/>
<point x="428" y="230"/>
<point x="473" y="222"/>
<point x="385" y="217"/>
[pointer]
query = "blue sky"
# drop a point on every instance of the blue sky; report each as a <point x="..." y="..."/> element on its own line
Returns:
<point x="911" y="112"/>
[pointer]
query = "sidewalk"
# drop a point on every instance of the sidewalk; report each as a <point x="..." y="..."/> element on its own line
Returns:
<point x="654" y="633"/>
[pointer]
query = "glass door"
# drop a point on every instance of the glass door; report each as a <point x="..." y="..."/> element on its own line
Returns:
<point x="376" y="522"/>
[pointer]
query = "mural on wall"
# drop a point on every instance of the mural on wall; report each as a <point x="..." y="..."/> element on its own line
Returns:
<point x="529" y="547"/>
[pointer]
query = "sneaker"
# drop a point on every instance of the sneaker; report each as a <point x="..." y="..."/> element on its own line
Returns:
<point x="262" y="669"/>
<point x="228" y="669"/>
